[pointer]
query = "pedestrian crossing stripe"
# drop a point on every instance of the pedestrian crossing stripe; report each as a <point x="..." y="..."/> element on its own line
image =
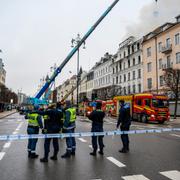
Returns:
<point x="135" y="177"/>
<point x="173" y="175"/>
<point x="84" y="134"/>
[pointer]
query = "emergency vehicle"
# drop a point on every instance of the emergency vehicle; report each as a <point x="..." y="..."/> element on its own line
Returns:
<point x="146" y="107"/>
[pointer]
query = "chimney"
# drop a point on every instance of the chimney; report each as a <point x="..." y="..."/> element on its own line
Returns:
<point x="178" y="18"/>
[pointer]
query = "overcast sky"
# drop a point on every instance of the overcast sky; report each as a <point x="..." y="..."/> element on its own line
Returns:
<point x="35" y="34"/>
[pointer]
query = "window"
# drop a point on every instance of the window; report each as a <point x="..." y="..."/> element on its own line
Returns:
<point x="124" y="54"/>
<point x="159" y="46"/>
<point x="134" y="75"/>
<point x="148" y="51"/>
<point x="139" y="102"/>
<point x="168" y="42"/>
<point x="117" y="80"/>
<point x="178" y="58"/>
<point x="147" y="102"/>
<point x="177" y="39"/>
<point x="129" y="89"/>
<point x="149" y="83"/>
<point x="116" y="69"/>
<point x="139" y="59"/>
<point x="160" y="63"/>
<point x="168" y="61"/>
<point x="124" y="65"/>
<point x="139" y="73"/>
<point x="138" y="46"/>
<point x="124" y="90"/>
<point x="134" y="88"/>
<point x="139" y="88"/>
<point x="132" y="49"/>
<point x="128" y="63"/>
<point x="124" y="78"/>
<point x="113" y="71"/>
<point x="134" y="61"/>
<point x="161" y="80"/>
<point x="120" y="79"/>
<point x="149" y="65"/>
<point x="129" y="76"/>
<point x="120" y="66"/>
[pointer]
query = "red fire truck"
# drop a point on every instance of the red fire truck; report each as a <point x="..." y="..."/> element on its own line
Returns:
<point x="147" y="107"/>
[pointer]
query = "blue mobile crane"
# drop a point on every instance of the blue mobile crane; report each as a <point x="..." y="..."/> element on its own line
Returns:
<point x="72" y="52"/>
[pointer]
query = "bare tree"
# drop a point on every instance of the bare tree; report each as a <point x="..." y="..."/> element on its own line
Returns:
<point x="172" y="82"/>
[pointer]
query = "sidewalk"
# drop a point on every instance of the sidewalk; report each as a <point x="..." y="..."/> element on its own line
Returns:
<point x="6" y="113"/>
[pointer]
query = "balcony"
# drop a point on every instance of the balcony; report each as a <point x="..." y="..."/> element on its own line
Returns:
<point x="166" y="49"/>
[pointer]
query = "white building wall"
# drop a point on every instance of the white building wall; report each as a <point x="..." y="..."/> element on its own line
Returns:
<point x="127" y="68"/>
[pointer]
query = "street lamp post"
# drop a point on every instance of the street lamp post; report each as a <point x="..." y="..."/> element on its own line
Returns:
<point x="76" y="42"/>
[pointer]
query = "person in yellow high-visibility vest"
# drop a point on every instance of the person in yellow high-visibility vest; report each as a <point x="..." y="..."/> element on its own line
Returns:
<point x="69" y="127"/>
<point x="34" y="123"/>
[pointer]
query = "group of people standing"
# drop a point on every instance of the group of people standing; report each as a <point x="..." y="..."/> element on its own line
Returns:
<point x="56" y="119"/>
<point x="62" y="119"/>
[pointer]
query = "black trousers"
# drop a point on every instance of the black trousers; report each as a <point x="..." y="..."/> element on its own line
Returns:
<point x="97" y="139"/>
<point x="125" y="138"/>
<point x="47" y="142"/>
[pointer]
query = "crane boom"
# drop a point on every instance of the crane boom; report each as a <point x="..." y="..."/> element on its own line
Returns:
<point x="73" y="51"/>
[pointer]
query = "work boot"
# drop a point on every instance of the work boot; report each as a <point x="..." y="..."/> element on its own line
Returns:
<point x="93" y="153"/>
<point x="73" y="153"/>
<point x="34" y="156"/>
<point x="66" y="155"/>
<point x="43" y="160"/>
<point x="101" y="152"/>
<point x="29" y="154"/>
<point x="53" y="157"/>
<point x="123" y="150"/>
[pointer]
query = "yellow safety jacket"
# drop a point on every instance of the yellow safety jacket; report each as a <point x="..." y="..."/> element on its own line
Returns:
<point x="73" y="114"/>
<point x="33" y="119"/>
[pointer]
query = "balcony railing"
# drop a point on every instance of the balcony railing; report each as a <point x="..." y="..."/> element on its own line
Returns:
<point x="166" y="49"/>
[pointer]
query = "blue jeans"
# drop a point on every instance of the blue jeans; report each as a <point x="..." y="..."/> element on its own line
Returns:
<point x="32" y="142"/>
<point x="70" y="141"/>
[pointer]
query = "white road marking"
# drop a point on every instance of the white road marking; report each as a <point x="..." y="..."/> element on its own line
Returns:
<point x="135" y="177"/>
<point x="2" y="155"/>
<point x="91" y="146"/>
<point x="7" y="145"/>
<point x="82" y="140"/>
<point x="176" y="135"/>
<point x="173" y="175"/>
<point x="15" y="132"/>
<point x="19" y="120"/>
<point x="116" y="162"/>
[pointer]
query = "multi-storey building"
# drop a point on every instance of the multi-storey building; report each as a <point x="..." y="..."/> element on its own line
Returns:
<point x="66" y="88"/>
<point x="90" y="84"/>
<point x="127" y="67"/>
<point x="2" y="73"/>
<point x="161" y="49"/>
<point x="102" y="77"/>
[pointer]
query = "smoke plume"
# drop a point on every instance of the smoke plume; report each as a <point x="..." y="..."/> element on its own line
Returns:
<point x="154" y="15"/>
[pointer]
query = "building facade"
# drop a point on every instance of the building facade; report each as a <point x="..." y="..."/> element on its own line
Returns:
<point x="65" y="89"/>
<point x="2" y="73"/>
<point x="102" y="78"/>
<point x="127" y="68"/>
<point x="161" y="50"/>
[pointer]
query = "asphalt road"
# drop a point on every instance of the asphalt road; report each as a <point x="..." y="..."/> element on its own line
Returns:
<point x="151" y="156"/>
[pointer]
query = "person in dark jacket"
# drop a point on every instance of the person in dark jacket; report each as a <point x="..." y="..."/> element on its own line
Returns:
<point x="124" y="121"/>
<point x="97" y="117"/>
<point x="52" y="125"/>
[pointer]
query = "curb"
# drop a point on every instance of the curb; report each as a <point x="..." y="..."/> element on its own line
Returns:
<point x="7" y="115"/>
